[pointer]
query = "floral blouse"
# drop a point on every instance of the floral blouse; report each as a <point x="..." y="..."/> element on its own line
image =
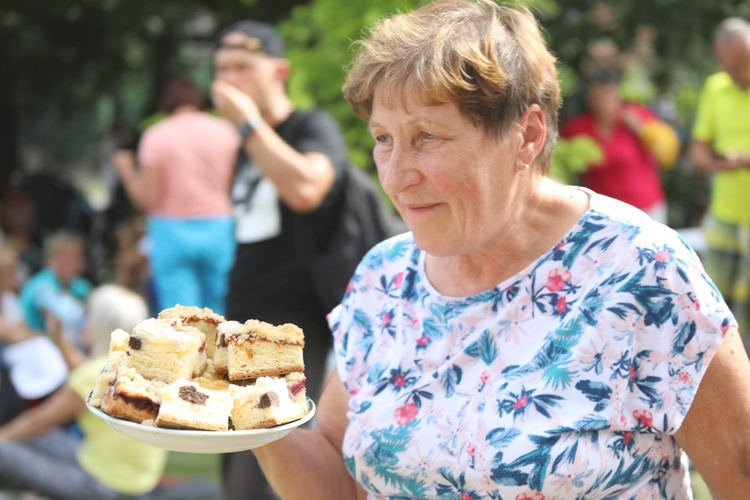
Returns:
<point x="567" y="380"/>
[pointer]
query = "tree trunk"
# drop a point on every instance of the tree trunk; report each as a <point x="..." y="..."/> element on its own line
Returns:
<point x="9" y="156"/>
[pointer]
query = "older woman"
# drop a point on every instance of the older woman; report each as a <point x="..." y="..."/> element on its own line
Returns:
<point x="525" y="339"/>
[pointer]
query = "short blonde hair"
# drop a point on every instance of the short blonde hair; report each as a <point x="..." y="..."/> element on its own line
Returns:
<point x="488" y="58"/>
<point x="111" y="307"/>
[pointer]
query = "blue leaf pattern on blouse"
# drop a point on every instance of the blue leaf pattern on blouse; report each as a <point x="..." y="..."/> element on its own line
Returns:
<point x="567" y="380"/>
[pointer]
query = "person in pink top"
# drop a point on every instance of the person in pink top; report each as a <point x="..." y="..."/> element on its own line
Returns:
<point x="629" y="171"/>
<point x="183" y="185"/>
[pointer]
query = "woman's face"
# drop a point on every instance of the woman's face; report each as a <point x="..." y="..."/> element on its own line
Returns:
<point x="605" y="101"/>
<point x="451" y="183"/>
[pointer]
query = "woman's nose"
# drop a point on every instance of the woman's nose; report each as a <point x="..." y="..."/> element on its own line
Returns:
<point x="396" y="171"/>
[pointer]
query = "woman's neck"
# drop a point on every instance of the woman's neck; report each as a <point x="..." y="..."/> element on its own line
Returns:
<point x="185" y="108"/>
<point x="553" y="211"/>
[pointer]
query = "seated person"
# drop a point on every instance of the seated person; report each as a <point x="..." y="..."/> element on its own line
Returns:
<point x="58" y="290"/>
<point x="36" y="454"/>
<point x="11" y="314"/>
<point x="31" y="366"/>
<point x="11" y="328"/>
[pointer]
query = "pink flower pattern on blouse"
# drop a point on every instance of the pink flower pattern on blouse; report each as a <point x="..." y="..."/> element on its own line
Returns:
<point x="567" y="380"/>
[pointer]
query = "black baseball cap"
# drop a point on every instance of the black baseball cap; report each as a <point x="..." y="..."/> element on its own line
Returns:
<point x="261" y="37"/>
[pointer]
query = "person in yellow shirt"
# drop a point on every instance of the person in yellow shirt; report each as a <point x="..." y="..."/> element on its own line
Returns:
<point x="37" y="454"/>
<point x="721" y="147"/>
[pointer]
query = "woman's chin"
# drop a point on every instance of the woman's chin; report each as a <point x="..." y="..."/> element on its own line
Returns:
<point x="436" y="244"/>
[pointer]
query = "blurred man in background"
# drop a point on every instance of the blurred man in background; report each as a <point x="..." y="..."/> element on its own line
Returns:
<point x="721" y="147"/>
<point x="286" y="186"/>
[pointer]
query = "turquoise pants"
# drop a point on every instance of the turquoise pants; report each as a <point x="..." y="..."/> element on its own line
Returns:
<point x="190" y="260"/>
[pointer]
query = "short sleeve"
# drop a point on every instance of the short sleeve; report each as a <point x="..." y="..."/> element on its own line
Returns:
<point x="353" y="322"/>
<point x="345" y="335"/>
<point x="334" y="322"/>
<point x="149" y="149"/>
<point x="680" y="325"/>
<point x="322" y="135"/>
<point x="703" y="128"/>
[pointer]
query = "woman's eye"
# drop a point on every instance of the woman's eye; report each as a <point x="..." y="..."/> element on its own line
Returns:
<point x="429" y="136"/>
<point x="382" y="138"/>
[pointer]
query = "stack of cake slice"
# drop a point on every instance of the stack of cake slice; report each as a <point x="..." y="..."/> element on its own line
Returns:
<point x="189" y="368"/>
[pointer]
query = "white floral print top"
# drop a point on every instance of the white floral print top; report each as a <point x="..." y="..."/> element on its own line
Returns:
<point x="567" y="380"/>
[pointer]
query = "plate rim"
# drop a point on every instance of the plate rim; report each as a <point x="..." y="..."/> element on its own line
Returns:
<point x="194" y="433"/>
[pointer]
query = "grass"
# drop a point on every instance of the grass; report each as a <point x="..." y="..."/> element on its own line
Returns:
<point x="700" y="490"/>
<point x="197" y="465"/>
<point x="204" y="467"/>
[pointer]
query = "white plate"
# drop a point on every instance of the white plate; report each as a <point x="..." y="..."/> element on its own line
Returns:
<point x="203" y="441"/>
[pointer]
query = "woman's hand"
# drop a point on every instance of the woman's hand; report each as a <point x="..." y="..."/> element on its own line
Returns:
<point x="232" y="103"/>
<point x="309" y="463"/>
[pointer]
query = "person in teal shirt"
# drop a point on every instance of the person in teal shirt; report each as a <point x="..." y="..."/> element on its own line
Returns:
<point x="58" y="289"/>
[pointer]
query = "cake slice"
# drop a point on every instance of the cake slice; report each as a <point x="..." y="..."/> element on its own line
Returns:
<point x="118" y="340"/>
<point x="204" y="319"/>
<point x="187" y="405"/>
<point x="166" y="350"/>
<point x="106" y="377"/>
<point x="266" y="403"/>
<point x="223" y="332"/>
<point x="296" y="384"/>
<point x="132" y="397"/>
<point x="261" y="349"/>
<point x="117" y="357"/>
<point x="211" y="380"/>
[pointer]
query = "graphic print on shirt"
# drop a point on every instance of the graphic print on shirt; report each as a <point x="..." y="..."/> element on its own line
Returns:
<point x="256" y="205"/>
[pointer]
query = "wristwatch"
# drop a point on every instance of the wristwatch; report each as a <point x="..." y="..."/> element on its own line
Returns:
<point x="249" y="126"/>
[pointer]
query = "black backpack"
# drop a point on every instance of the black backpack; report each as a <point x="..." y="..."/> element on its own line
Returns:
<point x="362" y="219"/>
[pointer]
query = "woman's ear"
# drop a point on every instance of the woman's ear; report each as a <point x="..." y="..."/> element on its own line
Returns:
<point x="533" y="133"/>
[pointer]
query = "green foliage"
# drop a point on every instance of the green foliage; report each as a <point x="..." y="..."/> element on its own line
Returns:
<point x="72" y="68"/>
<point x="319" y="45"/>
<point x="573" y="157"/>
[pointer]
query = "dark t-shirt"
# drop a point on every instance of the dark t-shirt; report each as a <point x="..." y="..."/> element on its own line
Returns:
<point x="268" y="280"/>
